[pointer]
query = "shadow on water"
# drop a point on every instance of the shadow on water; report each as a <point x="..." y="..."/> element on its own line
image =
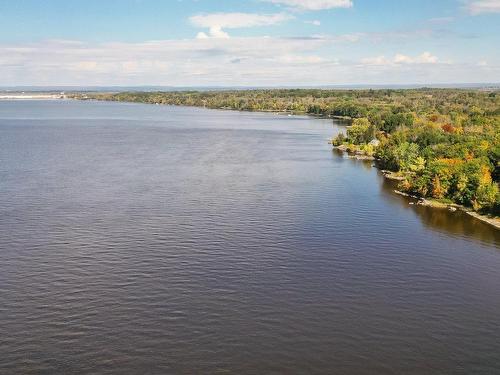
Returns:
<point x="365" y="164"/>
<point x="457" y="223"/>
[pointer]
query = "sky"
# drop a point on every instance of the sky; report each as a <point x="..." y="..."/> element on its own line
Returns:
<point x="248" y="42"/>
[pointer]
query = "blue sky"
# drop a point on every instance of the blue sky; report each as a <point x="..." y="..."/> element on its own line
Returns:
<point x="253" y="42"/>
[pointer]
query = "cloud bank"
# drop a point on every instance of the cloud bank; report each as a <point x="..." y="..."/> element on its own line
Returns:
<point x="251" y="61"/>
<point x="399" y="58"/>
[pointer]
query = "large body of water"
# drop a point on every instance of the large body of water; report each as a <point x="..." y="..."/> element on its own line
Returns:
<point x="142" y="239"/>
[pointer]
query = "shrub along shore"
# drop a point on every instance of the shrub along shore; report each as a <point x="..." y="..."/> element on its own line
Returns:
<point x="442" y="144"/>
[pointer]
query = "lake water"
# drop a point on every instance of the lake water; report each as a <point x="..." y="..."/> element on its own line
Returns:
<point x="142" y="239"/>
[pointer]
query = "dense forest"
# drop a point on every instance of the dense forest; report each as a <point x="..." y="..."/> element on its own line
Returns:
<point x="441" y="143"/>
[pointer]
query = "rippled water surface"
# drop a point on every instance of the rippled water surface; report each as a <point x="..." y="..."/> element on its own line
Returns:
<point x="142" y="239"/>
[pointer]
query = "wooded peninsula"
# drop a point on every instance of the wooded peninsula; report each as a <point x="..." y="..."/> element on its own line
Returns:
<point x="442" y="144"/>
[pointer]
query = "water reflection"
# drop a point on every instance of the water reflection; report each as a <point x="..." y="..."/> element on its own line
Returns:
<point x="457" y="223"/>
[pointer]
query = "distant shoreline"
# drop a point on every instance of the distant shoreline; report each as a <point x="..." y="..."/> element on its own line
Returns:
<point x="31" y="96"/>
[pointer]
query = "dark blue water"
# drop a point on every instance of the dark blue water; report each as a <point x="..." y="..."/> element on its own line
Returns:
<point x="151" y="239"/>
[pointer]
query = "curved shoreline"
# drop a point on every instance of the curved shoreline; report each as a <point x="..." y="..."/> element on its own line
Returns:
<point x="492" y="221"/>
<point x="421" y="201"/>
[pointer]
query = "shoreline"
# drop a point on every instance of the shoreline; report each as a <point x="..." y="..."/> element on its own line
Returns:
<point x="421" y="201"/>
<point x="490" y="220"/>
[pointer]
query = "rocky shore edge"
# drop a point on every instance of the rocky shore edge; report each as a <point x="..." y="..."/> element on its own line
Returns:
<point x="494" y="221"/>
<point x="360" y="155"/>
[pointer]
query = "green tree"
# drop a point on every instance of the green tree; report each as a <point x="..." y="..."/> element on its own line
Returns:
<point x="361" y="131"/>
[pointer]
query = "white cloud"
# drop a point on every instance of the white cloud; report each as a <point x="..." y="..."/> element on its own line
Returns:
<point x="298" y="59"/>
<point x="238" y="20"/>
<point x="314" y="4"/>
<point x="215" y="22"/>
<point x="424" y="58"/>
<point x="214" y="32"/>
<point x="476" y="7"/>
<point x="86" y="65"/>
<point x="402" y="59"/>
<point x="378" y="60"/>
<point x="202" y="35"/>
